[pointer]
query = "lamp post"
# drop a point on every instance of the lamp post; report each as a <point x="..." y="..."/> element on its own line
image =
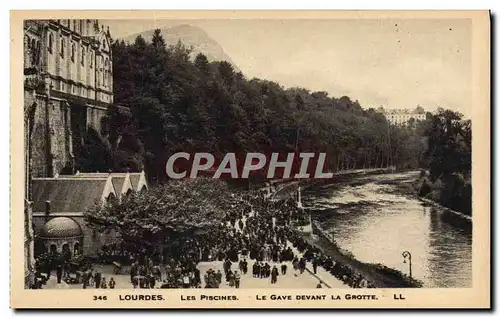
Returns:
<point x="406" y="255"/>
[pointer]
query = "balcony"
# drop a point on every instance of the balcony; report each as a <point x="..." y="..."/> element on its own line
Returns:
<point x="33" y="82"/>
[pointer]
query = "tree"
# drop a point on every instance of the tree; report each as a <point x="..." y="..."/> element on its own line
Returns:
<point x="182" y="105"/>
<point x="201" y="63"/>
<point x="95" y="153"/>
<point x="158" y="41"/>
<point x="166" y="213"/>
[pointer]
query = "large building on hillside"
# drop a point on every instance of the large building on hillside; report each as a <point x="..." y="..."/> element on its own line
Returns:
<point x="403" y="116"/>
<point x="67" y="88"/>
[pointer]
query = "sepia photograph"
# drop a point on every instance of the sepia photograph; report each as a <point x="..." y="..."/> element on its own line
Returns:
<point x="218" y="155"/>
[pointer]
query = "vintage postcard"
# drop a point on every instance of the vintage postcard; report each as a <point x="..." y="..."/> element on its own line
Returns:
<point x="250" y="159"/>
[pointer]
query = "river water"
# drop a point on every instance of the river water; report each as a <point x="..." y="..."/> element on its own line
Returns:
<point x="375" y="221"/>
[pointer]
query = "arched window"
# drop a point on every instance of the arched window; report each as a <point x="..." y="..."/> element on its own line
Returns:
<point x="105" y="73"/>
<point x="51" y="42"/>
<point x="33" y="45"/>
<point x="91" y="62"/>
<point x="82" y="26"/>
<point x="74" y="25"/>
<point x="62" y="47"/>
<point x="110" y="79"/>
<point x="103" y="44"/>
<point x="76" y="249"/>
<point x="66" y="251"/>
<point x="37" y="54"/>
<point x="72" y="52"/>
<point x="83" y="56"/>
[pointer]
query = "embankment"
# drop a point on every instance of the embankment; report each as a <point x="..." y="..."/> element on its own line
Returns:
<point x="379" y="275"/>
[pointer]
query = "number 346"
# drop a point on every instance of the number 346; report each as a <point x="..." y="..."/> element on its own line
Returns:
<point x="100" y="297"/>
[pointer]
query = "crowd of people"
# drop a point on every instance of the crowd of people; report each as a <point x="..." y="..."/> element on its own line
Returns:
<point x="260" y="230"/>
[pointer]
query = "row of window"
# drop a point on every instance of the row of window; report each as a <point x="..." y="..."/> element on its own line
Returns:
<point x="105" y="67"/>
<point x="79" y="91"/>
<point x="33" y="52"/>
<point x="78" y="26"/>
<point x="62" y="47"/>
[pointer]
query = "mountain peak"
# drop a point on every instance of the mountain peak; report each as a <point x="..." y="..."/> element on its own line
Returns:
<point x="191" y="36"/>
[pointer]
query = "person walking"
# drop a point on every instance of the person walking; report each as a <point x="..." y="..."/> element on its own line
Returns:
<point x="133" y="271"/>
<point x="231" y="278"/>
<point x="112" y="283"/>
<point x="255" y="267"/>
<point x="97" y="279"/>
<point x="283" y="269"/>
<point x="59" y="273"/>
<point x="185" y="281"/>
<point x="152" y="281"/>
<point x="302" y="265"/>
<point x="274" y="275"/>
<point x="85" y="279"/>
<point x="218" y="277"/>
<point x="245" y="266"/>
<point x="237" y="278"/>
<point x="103" y="283"/>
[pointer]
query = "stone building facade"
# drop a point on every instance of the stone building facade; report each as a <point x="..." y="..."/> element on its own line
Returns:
<point x="403" y="116"/>
<point x="29" y="246"/>
<point x="68" y="87"/>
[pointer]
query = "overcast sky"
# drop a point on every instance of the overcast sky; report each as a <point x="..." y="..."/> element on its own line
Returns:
<point x="393" y="63"/>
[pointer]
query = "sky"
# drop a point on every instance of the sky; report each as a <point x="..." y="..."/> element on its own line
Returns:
<point x="389" y="63"/>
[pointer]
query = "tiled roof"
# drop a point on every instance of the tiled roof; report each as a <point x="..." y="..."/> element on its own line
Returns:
<point x="118" y="183"/>
<point x="67" y="195"/>
<point x="134" y="180"/>
<point x="60" y="227"/>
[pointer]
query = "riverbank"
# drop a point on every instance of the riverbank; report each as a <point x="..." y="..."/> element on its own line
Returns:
<point x="379" y="275"/>
<point x="414" y="188"/>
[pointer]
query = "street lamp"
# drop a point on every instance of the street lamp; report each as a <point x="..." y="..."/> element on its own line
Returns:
<point x="406" y="255"/>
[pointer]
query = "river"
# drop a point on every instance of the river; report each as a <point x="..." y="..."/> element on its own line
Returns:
<point x="374" y="220"/>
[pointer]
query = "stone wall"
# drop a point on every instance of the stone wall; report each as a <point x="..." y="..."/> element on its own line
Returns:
<point x="94" y="117"/>
<point x="51" y="138"/>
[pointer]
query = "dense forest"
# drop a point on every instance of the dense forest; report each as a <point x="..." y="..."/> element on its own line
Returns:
<point x="170" y="102"/>
<point x="449" y="150"/>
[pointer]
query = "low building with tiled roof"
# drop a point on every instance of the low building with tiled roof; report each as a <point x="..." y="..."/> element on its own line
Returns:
<point x="61" y="202"/>
<point x="65" y="199"/>
<point x="70" y="194"/>
<point x="122" y="181"/>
